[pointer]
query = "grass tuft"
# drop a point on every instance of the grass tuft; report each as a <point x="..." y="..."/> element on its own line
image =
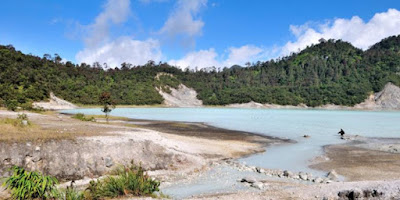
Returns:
<point x="82" y="117"/>
<point x="30" y="185"/>
<point x="127" y="181"/>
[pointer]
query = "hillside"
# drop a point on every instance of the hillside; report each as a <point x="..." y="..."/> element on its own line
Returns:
<point x="332" y="72"/>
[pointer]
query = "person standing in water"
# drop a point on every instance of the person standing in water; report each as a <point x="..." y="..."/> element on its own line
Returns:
<point x="341" y="132"/>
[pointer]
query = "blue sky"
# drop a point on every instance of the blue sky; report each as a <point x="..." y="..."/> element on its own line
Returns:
<point x="190" y="33"/>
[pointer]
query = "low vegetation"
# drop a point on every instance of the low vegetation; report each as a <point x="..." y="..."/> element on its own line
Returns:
<point x="22" y="129"/>
<point x="24" y="184"/>
<point x="21" y="122"/>
<point x="125" y="181"/>
<point x="82" y="117"/>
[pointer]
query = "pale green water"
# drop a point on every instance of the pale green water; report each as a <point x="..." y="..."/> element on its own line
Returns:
<point x="321" y="125"/>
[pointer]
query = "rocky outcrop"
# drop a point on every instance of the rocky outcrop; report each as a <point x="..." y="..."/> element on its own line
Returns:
<point x="387" y="99"/>
<point x="253" y="104"/>
<point x="55" y="103"/>
<point x="181" y="97"/>
<point x="86" y="157"/>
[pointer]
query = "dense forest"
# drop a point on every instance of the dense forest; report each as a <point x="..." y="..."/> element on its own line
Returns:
<point x="329" y="72"/>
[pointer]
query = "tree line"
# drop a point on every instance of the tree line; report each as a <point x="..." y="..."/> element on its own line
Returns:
<point x="332" y="71"/>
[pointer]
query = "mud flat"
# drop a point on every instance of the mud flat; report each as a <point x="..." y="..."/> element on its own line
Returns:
<point x="363" y="159"/>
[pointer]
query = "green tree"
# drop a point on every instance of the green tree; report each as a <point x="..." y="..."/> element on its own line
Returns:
<point x="108" y="103"/>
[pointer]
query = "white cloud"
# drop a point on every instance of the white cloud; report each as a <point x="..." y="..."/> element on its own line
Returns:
<point x="243" y="54"/>
<point x="200" y="59"/>
<point x="115" y="12"/>
<point x="361" y="34"/>
<point x="123" y="49"/>
<point x="184" y="21"/>
<point x="210" y="58"/>
<point x="99" y="47"/>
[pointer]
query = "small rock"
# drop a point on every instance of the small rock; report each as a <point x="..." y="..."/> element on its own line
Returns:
<point x="37" y="148"/>
<point x="260" y="170"/>
<point x="343" y="194"/>
<point x="318" y="180"/>
<point x="287" y="173"/>
<point x="303" y="176"/>
<point x="248" y="180"/>
<point x="309" y="176"/>
<point x="108" y="162"/>
<point x="258" y="185"/>
<point x="332" y="175"/>
<point x="306" y="136"/>
<point x="354" y="195"/>
<point x="367" y="193"/>
<point x="24" y="122"/>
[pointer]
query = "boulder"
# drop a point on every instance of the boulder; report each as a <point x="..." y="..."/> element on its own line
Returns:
<point x="332" y="175"/>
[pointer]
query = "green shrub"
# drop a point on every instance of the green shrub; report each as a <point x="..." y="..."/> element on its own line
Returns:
<point x="22" y="116"/>
<point x="11" y="104"/>
<point x="82" y="117"/>
<point x="27" y="106"/>
<point x="30" y="185"/>
<point x="130" y="180"/>
<point x="71" y="194"/>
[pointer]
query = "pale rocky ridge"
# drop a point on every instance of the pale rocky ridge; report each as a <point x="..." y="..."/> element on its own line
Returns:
<point x="387" y="99"/>
<point x="253" y="104"/>
<point x="54" y="103"/>
<point x="181" y="97"/>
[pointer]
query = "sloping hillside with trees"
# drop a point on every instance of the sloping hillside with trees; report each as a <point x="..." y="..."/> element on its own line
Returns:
<point x="332" y="72"/>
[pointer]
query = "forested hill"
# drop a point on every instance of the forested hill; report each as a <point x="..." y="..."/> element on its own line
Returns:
<point x="330" y="72"/>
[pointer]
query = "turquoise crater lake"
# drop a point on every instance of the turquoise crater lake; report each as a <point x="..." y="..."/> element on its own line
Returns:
<point x="321" y="125"/>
